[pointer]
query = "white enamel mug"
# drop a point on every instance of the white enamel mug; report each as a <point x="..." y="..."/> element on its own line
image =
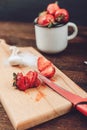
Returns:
<point x="54" y="40"/>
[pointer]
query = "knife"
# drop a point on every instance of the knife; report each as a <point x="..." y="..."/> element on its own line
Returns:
<point x="78" y="102"/>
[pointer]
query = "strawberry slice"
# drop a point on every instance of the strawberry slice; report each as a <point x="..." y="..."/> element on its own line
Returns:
<point x="43" y="63"/>
<point x="31" y="77"/>
<point x="45" y="67"/>
<point x="48" y="71"/>
<point x="37" y="82"/>
<point x="20" y="81"/>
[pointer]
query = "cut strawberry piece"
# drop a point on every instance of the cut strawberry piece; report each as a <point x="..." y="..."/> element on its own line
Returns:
<point x="48" y="71"/>
<point x="37" y="82"/>
<point x="42" y="63"/>
<point x="30" y="76"/>
<point x="45" y="67"/>
<point x="28" y="81"/>
<point x="33" y="79"/>
<point x="21" y="82"/>
<point x="19" y="76"/>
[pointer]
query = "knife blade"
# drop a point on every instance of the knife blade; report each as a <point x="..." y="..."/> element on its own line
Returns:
<point x="78" y="102"/>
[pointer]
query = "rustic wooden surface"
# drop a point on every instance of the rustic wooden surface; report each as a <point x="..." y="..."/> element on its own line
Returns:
<point x="71" y="62"/>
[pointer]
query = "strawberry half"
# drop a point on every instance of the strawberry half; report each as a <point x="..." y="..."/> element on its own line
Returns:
<point x="43" y="63"/>
<point x="45" y="67"/>
<point x="48" y="71"/>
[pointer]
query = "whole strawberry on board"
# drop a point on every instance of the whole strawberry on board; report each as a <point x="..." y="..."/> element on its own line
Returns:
<point x="52" y="16"/>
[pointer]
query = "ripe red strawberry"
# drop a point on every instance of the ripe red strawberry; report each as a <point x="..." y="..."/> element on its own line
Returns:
<point x="52" y="8"/>
<point x="45" y="20"/>
<point x="45" y="67"/>
<point x="62" y="16"/>
<point x="42" y="63"/>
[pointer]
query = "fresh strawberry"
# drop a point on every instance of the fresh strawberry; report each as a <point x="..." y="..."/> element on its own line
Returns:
<point x="45" y="67"/>
<point x="52" y="8"/>
<point x="42" y="63"/>
<point x="45" y="20"/>
<point x="62" y="16"/>
<point x="48" y="72"/>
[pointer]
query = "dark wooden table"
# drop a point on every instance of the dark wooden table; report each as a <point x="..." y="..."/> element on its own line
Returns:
<point x="70" y="61"/>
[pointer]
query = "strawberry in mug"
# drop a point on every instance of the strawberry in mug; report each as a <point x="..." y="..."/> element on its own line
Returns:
<point x="53" y="16"/>
<point x="51" y="29"/>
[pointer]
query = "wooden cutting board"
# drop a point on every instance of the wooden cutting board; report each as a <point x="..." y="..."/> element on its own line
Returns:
<point x="36" y="105"/>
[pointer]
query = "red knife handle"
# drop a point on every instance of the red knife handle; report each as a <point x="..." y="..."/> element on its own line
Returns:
<point x="82" y="107"/>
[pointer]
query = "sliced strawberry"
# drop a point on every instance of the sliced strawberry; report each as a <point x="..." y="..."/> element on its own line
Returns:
<point x="48" y="71"/>
<point x="30" y="75"/>
<point x="42" y="63"/>
<point x="26" y="82"/>
<point x="37" y="82"/>
<point x="52" y="8"/>
<point x="33" y="78"/>
<point x="45" y="67"/>
<point x="21" y="82"/>
<point x="19" y="76"/>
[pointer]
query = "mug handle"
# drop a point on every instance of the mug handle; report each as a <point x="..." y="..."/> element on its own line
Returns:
<point x="75" y="30"/>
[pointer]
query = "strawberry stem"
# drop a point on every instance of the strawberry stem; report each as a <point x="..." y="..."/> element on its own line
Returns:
<point x="14" y="76"/>
<point x="14" y="84"/>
